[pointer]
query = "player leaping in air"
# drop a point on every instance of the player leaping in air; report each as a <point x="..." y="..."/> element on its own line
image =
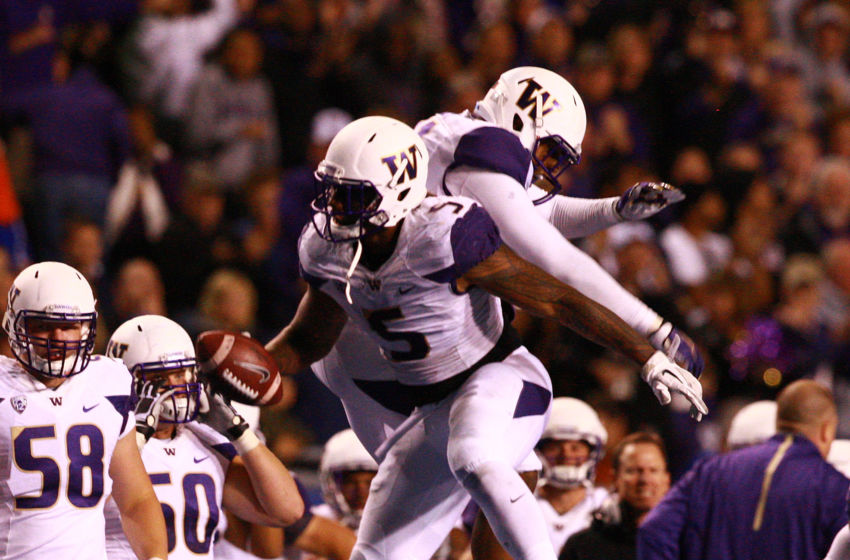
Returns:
<point x="423" y="277"/>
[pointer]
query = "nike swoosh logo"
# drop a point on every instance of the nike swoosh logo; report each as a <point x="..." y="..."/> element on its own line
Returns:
<point x="405" y="290"/>
<point x="199" y="460"/>
<point x="514" y="500"/>
<point x="255" y="368"/>
<point x="88" y="408"/>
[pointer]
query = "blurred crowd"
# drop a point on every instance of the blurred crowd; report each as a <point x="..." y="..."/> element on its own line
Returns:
<point x="165" y="148"/>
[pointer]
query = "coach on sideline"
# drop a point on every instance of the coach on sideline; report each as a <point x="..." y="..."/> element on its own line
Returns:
<point x="779" y="499"/>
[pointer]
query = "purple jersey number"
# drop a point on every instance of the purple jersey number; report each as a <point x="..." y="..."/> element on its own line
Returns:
<point x="191" y="511"/>
<point x="78" y="463"/>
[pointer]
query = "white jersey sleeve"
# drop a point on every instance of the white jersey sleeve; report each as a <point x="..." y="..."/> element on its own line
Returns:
<point x="55" y="449"/>
<point x="576" y="217"/>
<point x="473" y="159"/>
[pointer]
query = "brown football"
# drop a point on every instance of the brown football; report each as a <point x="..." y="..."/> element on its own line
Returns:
<point x="238" y="367"/>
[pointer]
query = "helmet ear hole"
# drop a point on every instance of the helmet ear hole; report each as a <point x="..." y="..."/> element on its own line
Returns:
<point x="518" y="125"/>
<point x="403" y="194"/>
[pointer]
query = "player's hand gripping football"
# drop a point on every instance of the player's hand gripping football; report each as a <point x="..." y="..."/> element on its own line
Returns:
<point x="148" y="408"/>
<point x="678" y="346"/>
<point x="665" y="377"/>
<point x="646" y="199"/>
<point x="218" y="414"/>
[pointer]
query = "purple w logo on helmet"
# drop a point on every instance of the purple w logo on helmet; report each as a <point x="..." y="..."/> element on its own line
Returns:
<point x="528" y="98"/>
<point x="409" y="160"/>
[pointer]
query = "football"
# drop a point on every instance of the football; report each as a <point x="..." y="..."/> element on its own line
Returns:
<point x="238" y="367"/>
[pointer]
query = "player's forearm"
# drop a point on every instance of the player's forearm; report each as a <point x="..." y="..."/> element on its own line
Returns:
<point x="326" y="538"/>
<point x="273" y="487"/>
<point x="597" y="323"/>
<point x="537" y="241"/>
<point x="289" y="360"/>
<point x="144" y="527"/>
<point x="579" y="217"/>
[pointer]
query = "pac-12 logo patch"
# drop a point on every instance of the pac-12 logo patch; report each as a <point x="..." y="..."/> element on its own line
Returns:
<point x="19" y="403"/>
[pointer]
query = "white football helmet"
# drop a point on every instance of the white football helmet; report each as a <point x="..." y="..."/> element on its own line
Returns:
<point x="573" y="420"/>
<point x="50" y="292"/>
<point x="839" y="456"/>
<point x="547" y="114"/>
<point x="372" y="176"/>
<point x="150" y="345"/>
<point x="754" y="423"/>
<point x="343" y="453"/>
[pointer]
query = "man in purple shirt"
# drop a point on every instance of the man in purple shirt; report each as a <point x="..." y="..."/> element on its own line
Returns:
<point x="779" y="499"/>
<point x="81" y="138"/>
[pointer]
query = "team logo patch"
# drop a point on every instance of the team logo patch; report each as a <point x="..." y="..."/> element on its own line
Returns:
<point x="19" y="403"/>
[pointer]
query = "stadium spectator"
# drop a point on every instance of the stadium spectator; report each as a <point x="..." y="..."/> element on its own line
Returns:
<point x="231" y="118"/>
<point x="640" y="482"/>
<point x="166" y="54"/>
<point x="81" y="138"/>
<point x="779" y="499"/>
<point x="145" y="195"/>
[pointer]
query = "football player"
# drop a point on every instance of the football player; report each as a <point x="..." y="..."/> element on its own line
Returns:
<point x="421" y="276"/>
<point x="67" y="439"/>
<point x="345" y="472"/>
<point x="570" y="448"/>
<point x="528" y="128"/>
<point x="522" y="136"/>
<point x="190" y="439"/>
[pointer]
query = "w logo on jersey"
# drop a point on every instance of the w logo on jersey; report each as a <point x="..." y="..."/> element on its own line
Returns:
<point x="528" y="99"/>
<point x="56" y="401"/>
<point x="170" y="451"/>
<point x="409" y="160"/>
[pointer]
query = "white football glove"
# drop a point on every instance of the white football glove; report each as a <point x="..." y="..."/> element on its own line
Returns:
<point x="646" y="199"/>
<point x="664" y="376"/>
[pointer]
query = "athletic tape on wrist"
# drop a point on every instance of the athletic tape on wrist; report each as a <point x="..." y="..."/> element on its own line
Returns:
<point x="246" y="442"/>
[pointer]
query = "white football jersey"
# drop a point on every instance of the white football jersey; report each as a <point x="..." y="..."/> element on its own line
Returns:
<point x="561" y="527"/>
<point x="459" y="139"/>
<point x="356" y="359"/>
<point x="409" y="306"/>
<point x="55" y="449"/>
<point x="188" y="477"/>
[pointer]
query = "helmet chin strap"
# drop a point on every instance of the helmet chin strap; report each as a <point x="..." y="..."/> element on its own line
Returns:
<point x="538" y="114"/>
<point x="358" y="252"/>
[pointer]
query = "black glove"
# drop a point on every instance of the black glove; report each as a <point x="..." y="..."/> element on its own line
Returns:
<point x="217" y="413"/>
<point x="148" y="408"/>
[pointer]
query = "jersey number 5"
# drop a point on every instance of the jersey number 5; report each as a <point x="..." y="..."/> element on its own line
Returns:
<point x="81" y="460"/>
<point x="419" y="346"/>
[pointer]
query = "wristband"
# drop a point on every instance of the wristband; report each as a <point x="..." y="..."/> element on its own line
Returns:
<point x="141" y="440"/>
<point x="246" y="442"/>
<point x="155" y="558"/>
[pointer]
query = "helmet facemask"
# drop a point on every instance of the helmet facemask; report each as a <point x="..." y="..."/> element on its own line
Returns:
<point x="552" y="155"/>
<point x="183" y="402"/>
<point x="44" y="355"/>
<point x="566" y="476"/>
<point x="332" y="483"/>
<point x="351" y="208"/>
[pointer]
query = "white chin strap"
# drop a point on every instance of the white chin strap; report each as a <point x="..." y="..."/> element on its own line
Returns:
<point x="358" y="252"/>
